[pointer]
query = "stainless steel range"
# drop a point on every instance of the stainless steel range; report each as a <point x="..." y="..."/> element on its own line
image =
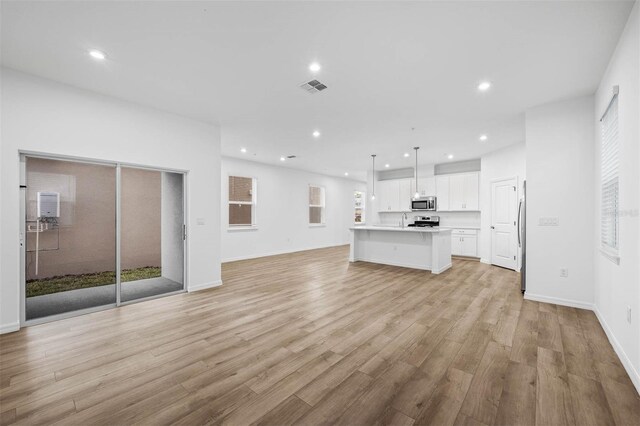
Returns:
<point x="426" y="221"/>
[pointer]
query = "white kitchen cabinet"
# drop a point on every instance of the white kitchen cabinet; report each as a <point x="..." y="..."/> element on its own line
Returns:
<point x="464" y="242"/>
<point x="394" y="195"/>
<point x="442" y="192"/>
<point x="404" y="193"/>
<point x="387" y="195"/>
<point x="426" y="187"/>
<point x="471" y="191"/>
<point x="458" y="192"/>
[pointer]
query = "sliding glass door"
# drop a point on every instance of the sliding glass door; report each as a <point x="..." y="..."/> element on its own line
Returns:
<point x="98" y="235"/>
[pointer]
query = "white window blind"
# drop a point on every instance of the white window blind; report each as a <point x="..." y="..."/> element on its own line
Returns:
<point x="609" y="179"/>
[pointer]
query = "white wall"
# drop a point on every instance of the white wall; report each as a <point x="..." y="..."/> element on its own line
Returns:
<point x="172" y="219"/>
<point x="283" y="211"/>
<point x="618" y="286"/>
<point x="560" y="175"/>
<point x="44" y="116"/>
<point x="504" y="163"/>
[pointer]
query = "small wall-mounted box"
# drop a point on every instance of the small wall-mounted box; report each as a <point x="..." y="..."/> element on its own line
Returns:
<point x="48" y="204"/>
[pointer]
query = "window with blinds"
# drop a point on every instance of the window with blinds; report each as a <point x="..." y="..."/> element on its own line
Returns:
<point x="242" y="201"/>
<point x="316" y="205"/>
<point x="609" y="180"/>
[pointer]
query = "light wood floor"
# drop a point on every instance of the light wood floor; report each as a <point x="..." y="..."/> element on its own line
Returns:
<point x="310" y="339"/>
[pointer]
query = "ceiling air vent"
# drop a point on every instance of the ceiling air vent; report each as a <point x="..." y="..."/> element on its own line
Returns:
<point x="313" y="86"/>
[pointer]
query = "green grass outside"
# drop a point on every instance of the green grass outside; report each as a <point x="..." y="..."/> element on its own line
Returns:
<point x="73" y="282"/>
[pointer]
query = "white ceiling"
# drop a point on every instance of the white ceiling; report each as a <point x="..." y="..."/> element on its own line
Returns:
<point x="390" y="67"/>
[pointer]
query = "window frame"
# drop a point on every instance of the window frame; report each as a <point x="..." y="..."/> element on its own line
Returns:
<point x="323" y="205"/>
<point x="253" y="203"/>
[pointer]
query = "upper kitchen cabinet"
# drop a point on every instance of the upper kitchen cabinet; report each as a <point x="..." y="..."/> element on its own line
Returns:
<point x="442" y="192"/>
<point x="394" y="195"/>
<point x="458" y="192"/>
<point x="405" y="195"/>
<point x="426" y="187"/>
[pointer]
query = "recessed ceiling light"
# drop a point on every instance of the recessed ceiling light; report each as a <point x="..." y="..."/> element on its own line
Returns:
<point x="387" y="166"/>
<point x="450" y="156"/>
<point x="316" y="134"/>
<point x="346" y="173"/>
<point x="406" y="155"/>
<point x="96" y="54"/>
<point x="483" y="138"/>
<point x="484" y="86"/>
<point x="314" y="67"/>
<point x="243" y="150"/>
<point x="282" y="158"/>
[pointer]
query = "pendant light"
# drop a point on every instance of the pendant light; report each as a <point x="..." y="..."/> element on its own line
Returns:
<point x="417" y="194"/>
<point x="373" y="181"/>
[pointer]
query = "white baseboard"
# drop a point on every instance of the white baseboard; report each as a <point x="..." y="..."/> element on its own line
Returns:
<point x="558" y="301"/>
<point x="278" y="252"/>
<point x="485" y="261"/>
<point x="204" y="286"/>
<point x="391" y="263"/>
<point x="626" y="362"/>
<point x="9" y="328"/>
<point x="441" y="270"/>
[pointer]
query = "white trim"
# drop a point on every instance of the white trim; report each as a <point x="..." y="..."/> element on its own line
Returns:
<point x="204" y="286"/>
<point x="610" y="254"/>
<point x="444" y="268"/>
<point x="10" y="328"/>
<point x="558" y="301"/>
<point x="279" y="252"/>
<point x="485" y="261"/>
<point x="242" y="228"/>
<point x="626" y="362"/>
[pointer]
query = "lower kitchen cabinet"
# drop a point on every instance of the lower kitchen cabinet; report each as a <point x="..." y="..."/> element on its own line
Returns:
<point x="464" y="242"/>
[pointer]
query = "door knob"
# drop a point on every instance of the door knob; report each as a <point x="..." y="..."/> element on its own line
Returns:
<point x="493" y="227"/>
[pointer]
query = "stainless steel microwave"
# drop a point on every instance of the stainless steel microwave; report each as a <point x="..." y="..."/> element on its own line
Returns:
<point x="425" y="203"/>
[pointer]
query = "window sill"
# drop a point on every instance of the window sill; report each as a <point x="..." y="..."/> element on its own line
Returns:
<point x="317" y="225"/>
<point x="241" y="228"/>
<point x="613" y="257"/>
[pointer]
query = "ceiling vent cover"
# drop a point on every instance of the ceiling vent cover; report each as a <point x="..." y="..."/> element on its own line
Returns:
<point x="313" y="86"/>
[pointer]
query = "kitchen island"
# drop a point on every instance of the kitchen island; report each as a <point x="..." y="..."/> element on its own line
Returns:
<point x="411" y="247"/>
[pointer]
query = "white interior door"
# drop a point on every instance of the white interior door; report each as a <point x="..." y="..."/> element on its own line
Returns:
<point x="504" y="205"/>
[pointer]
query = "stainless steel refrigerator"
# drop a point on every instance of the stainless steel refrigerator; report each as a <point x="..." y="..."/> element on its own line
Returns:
<point x="522" y="236"/>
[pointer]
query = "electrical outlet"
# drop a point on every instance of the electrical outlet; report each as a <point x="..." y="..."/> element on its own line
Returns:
<point x="564" y="272"/>
<point x="629" y="314"/>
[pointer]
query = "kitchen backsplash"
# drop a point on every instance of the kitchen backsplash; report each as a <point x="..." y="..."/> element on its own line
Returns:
<point x="448" y="219"/>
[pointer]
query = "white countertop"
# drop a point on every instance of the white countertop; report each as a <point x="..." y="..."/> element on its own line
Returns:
<point x="399" y="229"/>
<point x="463" y="227"/>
